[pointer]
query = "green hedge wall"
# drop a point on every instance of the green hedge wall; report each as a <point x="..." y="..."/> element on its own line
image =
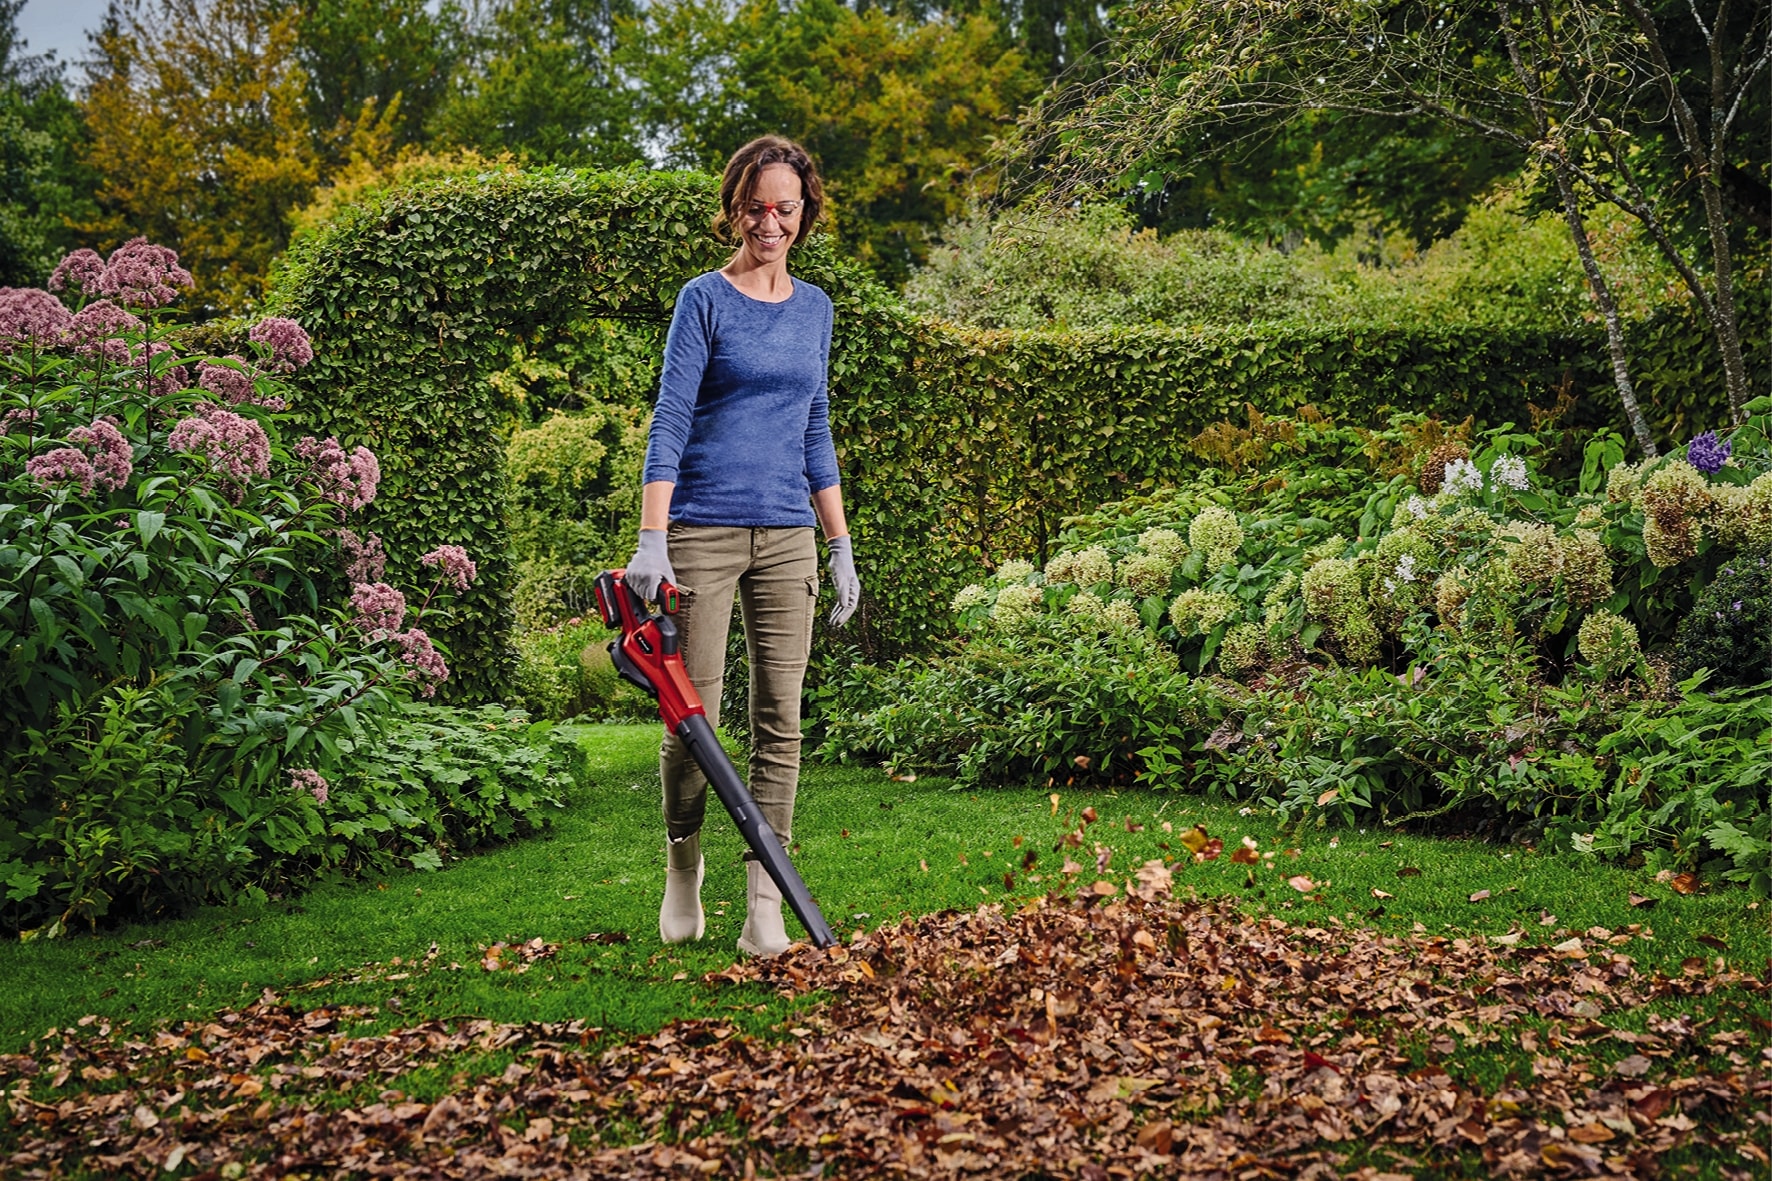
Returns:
<point x="955" y="444"/>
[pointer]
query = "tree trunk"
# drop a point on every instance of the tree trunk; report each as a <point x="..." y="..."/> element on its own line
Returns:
<point x="1596" y="283"/>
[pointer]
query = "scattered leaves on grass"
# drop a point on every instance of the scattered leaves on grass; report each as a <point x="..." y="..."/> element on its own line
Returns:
<point x="1125" y="1034"/>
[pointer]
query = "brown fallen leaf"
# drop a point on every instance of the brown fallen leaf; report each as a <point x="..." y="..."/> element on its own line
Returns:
<point x="1328" y="796"/>
<point x="1301" y="883"/>
<point x="1244" y="855"/>
<point x="1479" y="895"/>
<point x="1595" y="1133"/>
<point x="1686" y="883"/>
<point x="1634" y="1066"/>
<point x="1408" y="871"/>
<point x="1713" y="942"/>
<point x="1377" y="893"/>
<point x="1642" y="901"/>
<point x="1157" y="1137"/>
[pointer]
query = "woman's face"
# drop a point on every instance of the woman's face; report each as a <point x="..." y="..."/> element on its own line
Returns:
<point x="772" y="218"/>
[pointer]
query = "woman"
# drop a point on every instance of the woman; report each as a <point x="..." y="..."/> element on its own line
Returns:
<point x="739" y="467"/>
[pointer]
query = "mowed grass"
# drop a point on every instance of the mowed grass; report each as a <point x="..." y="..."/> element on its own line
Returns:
<point x="871" y="849"/>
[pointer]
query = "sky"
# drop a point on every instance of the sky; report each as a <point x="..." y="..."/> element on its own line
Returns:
<point x="59" y="25"/>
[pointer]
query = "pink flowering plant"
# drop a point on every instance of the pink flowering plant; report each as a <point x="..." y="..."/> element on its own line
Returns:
<point x="195" y="618"/>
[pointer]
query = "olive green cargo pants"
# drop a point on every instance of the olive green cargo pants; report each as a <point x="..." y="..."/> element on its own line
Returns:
<point x="774" y="572"/>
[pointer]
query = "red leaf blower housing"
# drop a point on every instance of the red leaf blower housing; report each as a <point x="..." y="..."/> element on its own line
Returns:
<point x="648" y="655"/>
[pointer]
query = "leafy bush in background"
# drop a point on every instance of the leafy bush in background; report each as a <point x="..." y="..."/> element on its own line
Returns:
<point x="1462" y="641"/>
<point x="439" y="781"/>
<point x="180" y="683"/>
<point x="1092" y="268"/>
<point x="564" y="671"/>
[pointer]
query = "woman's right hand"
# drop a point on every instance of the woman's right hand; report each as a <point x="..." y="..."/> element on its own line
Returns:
<point x="650" y="564"/>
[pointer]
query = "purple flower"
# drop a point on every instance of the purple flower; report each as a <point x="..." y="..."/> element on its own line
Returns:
<point x="169" y="380"/>
<point x="98" y="328"/>
<point x="24" y="414"/>
<point x="113" y="459"/>
<point x="311" y="782"/>
<point x="64" y="465"/>
<point x="144" y="275"/>
<point x="453" y="563"/>
<point x="233" y="384"/>
<point x="347" y="480"/>
<point x="288" y="342"/>
<point x="1707" y="453"/>
<point x="364" y="559"/>
<point x="236" y="447"/>
<point x="28" y="314"/>
<point x="380" y="608"/>
<point x="82" y="269"/>
<point x="422" y="659"/>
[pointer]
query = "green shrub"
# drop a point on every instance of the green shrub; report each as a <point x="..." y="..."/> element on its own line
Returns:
<point x="194" y="627"/>
<point x="1729" y="630"/>
<point x="1092" y="268"/>
<point x="564" y="671"/>
<point x="443" y="781"/>
<point x="1473" y="657"/>
<point x="958" y="445"/>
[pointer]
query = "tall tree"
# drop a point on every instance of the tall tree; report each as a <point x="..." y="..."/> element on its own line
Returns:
<point x="900" y="112"/>
<point x="1589" y="90"/>
<point x="393" y="54"/>
<point x="44" y="187"/>
<point x="198" y="111"/>
<point x="536" y="79"/>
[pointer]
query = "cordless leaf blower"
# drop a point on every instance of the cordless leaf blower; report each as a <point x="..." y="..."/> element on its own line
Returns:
<point x="647" y="654"/>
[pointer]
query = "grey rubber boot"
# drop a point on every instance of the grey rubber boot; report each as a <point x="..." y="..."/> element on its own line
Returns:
<point x="680" y="919"/>
<point x="764" y="934"/>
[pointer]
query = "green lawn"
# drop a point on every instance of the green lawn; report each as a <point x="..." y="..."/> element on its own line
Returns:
<point x="871" y="849"/>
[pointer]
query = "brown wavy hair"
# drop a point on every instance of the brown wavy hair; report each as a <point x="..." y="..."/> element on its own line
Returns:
<point x="739" y="183"/>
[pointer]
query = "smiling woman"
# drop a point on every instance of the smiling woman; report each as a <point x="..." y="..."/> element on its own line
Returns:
<point x="739" y="467"/>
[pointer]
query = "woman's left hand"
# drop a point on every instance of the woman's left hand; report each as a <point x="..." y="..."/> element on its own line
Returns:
<point x="843" y="579"/>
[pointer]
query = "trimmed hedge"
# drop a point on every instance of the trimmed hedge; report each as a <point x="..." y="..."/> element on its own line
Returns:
<point x="956" y="444"/>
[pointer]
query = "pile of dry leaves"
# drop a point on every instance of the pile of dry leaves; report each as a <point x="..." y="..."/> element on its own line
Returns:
<point x="1122" y="1032"/>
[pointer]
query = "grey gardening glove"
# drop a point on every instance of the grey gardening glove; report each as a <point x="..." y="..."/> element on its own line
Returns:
<point x="843" y="579"/>
<point x="650" y="563"/>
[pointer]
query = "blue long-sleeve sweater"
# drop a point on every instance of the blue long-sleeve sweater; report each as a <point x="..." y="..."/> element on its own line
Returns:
<point x="742" y="424"/>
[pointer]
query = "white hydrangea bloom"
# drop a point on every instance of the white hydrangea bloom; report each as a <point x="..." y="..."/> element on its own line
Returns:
<point x="1509" y="471"/>
<point x="1416" y="507"/>
<point x="1461" y="476"/>
<point x="1014" y="570"/>
<point x="970" y="597"/>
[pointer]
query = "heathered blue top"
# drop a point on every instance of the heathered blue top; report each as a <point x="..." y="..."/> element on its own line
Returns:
<point x="742" y="425"/>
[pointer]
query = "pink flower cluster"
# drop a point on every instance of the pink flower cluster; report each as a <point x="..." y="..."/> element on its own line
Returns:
<point x="82" y="269"/>
<point x="64" y="465"/>
<point x="23" y="414"/>
<point x="380" y="608"/>
<point x="28" y="314"/>
<point x="311" y="782"/>
<point x="108" y="466"/>
<point x="169" y="379"/>
<point x="233" y="384"/>
<point x="347" y="480"/>
<point x="364" y="559"/>
<point x="287" y="340"/>
<point x="144" y="275"/>
<point x="113" y="459"/>
<point x="97" y="327"/>
<point x="236" y="447"/>
<point x="453" y="563"/>
<point x="422" y="659"/>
